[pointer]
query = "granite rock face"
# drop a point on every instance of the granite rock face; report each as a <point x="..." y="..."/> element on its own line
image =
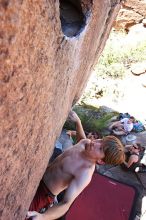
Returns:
<point x="45" y="64"/>
<point x="131" y="13"/>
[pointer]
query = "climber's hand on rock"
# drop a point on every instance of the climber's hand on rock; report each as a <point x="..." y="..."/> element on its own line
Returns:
<point x="73" y="116"/>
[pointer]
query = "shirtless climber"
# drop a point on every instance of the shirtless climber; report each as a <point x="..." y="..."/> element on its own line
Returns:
<point x="72" y="171"/>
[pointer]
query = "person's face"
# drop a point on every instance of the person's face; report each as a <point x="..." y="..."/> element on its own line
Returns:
<point x="95" y="149"/>
<point x="130" y="121"/>
<point x="134" y="148"/>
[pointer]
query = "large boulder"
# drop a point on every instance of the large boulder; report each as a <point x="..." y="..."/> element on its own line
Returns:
<point x="46" y="58"/>
<point x="138" y="6"/>
<point x="132" y="12"/>
<point x="126" y="19"/>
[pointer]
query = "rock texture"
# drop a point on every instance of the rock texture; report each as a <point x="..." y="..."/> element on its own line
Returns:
<point x="42" y="74"/>
<point x="132" y="12"/>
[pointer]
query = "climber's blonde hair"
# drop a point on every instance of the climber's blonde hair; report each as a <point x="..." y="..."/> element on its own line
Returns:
<point x="114" y="150"/>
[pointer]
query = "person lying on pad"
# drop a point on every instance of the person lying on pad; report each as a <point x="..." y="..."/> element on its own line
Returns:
<point x="122" y="127"/>
<point x="134" y="154"/>
<point x="72" y="171"/>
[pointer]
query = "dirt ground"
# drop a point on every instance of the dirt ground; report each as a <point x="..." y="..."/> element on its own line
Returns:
<point x="129" y="97"/>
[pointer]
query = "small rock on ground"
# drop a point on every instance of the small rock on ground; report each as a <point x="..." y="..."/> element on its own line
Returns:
<point x="138" y="68"/>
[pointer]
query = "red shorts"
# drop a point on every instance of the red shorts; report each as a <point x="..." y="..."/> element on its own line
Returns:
<point x="42" y="199"/>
